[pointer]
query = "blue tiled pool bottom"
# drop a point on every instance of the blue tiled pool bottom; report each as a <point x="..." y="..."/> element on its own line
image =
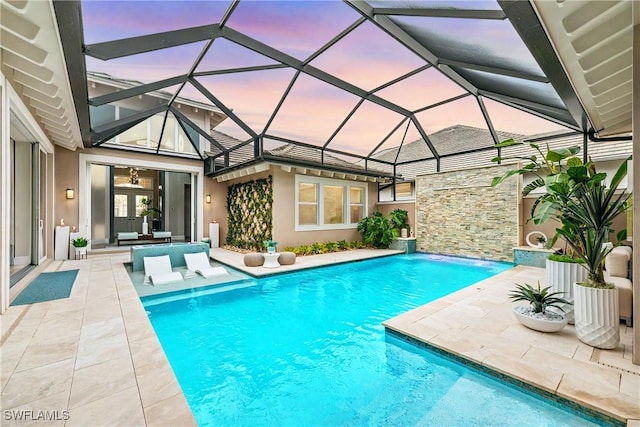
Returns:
<point x="308" y="348"/>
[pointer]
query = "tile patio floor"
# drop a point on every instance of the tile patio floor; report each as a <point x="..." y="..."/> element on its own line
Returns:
<point x="95" y="354"/>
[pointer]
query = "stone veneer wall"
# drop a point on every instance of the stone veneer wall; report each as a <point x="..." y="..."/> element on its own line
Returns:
<point x="459" y="213"/>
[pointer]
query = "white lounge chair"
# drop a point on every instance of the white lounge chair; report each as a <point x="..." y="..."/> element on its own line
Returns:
<point x="198" y="263"/>
<point x="157" y="270"/>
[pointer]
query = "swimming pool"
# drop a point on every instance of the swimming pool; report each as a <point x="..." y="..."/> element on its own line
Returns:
<point x="308" y="348"/>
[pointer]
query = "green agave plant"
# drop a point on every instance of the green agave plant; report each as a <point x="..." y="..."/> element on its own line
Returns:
<point x="540" y="299"/>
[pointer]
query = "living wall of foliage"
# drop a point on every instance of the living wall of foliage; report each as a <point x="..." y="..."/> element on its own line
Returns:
<point x="250" y="210"/>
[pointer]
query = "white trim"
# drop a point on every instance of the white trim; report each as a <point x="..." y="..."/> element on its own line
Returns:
<point x="321" y="182"/>
<point x="5" y="196"/>
<point x="84" y="193"/>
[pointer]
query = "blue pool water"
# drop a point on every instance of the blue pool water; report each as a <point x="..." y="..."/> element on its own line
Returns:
<point x="308" y="348"/>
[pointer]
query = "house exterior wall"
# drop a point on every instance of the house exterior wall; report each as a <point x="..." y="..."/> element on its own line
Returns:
<point x="67" y="175"/>
<point x="386" y="207"/>
<point x="284" y="232"/>
<point x="459" y="213"/>
<point x="549" y="227"/>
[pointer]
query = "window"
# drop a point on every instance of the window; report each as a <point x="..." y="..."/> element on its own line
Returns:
<point x="333" y="204"/>
<point x="120" y="209"/>
<point x="308" y="203"/>
<point x="324" y="203"/>
<point x="356" y="206"/>
<point x="404" y="189"/>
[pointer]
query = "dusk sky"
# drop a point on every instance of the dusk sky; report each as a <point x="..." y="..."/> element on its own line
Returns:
<point x="367" y="58"/>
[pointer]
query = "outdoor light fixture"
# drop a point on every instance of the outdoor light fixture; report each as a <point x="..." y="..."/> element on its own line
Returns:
<point x="133" y="176"/>
<point x="70" y="193"/>
<point x="208" y="198"/>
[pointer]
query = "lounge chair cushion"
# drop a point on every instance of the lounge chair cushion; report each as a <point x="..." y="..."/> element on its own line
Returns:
<point x="161" y="234"/>
<point x="617" y="263"/>
<point x="198" y="263"/>
<point x="157" y="270"/>
<point x="125" y="235"/>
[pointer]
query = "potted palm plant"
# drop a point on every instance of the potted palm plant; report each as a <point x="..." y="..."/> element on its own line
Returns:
<point x="535" y="315"/>
<point x="588" y="209"/>
<point x="550" y="171"/>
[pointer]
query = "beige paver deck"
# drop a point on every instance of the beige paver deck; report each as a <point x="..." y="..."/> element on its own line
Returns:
<point x="96" y="355"/>
<point x="476" y="323"/>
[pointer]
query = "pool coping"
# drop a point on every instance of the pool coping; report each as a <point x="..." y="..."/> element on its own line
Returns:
<point x="482" y="346"/>
<point x="524" y="386"/>
<point x="308" y="262"/>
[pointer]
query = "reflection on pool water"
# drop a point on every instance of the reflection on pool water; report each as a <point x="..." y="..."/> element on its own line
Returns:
<point x="308" y="348"/>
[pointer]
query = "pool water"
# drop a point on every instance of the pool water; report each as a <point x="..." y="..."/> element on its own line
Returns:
<point x="308" y="348"/>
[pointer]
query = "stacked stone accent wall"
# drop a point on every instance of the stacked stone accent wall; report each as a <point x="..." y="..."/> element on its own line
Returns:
<point x="459" y="213"/>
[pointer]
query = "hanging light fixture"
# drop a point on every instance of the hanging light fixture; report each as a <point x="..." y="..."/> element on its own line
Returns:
<point x="133" y="176"/>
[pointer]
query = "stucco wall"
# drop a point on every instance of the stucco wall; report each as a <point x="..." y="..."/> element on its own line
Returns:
<point x="410" y="207"/>
<point x="284" y="214"/>
<point x="549" y="227"/>
<point x="217" y="209"/>
<point x="459" y="213"/>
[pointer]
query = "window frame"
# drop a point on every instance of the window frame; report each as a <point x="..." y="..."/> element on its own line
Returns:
<point x="320" y="183"/>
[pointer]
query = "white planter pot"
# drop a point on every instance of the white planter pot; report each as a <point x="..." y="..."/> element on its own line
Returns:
<point x="597" y="317"/>
<point x="561" y="276"/>
<point x="80" y="252"/>
<point x="539" y="323"/>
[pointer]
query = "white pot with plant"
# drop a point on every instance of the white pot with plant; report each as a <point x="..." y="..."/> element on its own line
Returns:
<point x="147" y="211"/>
<point x="578" y="198"/>
<point x="80" y="247"/>
<point x="562" y="272"/>
<point x="588" y="210"/>
<point x="535" y="315"/>
<point x="270" y="245"/>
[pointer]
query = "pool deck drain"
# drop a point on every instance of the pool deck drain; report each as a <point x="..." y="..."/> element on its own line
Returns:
<point x="476" y="324"/>
<point x="96" y="350"/>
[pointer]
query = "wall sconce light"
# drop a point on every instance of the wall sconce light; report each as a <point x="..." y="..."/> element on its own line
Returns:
<point x="208" y="198"/>
<point x="70" y="193"/>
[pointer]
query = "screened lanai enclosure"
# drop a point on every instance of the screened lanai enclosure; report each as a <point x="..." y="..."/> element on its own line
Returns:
<point x="380" y="84"/>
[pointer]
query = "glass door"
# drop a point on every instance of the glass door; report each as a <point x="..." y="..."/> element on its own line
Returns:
<point x="127" y="209"/>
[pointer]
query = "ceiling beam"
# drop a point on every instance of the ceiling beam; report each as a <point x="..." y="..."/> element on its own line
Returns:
<point x="495" y="70"/>
<point x="526" y="23"/>
<point x="69" y="16"/>
<point x="148" y="43"/>
<point x="103" y="133"/>
<point x="292" y="62"/>
<point x="222" y="107"/>
<point x="137" y="90"/>
<point x="239" y="70"/>
<point x="197" y="128"/>
<point x="441" y="13"/>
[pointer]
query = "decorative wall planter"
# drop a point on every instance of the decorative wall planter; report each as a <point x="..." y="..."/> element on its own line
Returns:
<point x="597" y="317"/>
<point x="561" y="276"/>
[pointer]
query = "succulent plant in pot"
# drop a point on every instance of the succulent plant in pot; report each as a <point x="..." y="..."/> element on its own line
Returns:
<point x="535" y="315"/>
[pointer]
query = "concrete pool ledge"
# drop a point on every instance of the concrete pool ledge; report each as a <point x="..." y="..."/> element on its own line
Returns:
<point x="236" y="260"/>
<point x="475" y="324"/>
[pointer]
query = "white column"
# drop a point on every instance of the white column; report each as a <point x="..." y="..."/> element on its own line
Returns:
<point x="5" y="195"/>
<point x="636" y="183"/>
